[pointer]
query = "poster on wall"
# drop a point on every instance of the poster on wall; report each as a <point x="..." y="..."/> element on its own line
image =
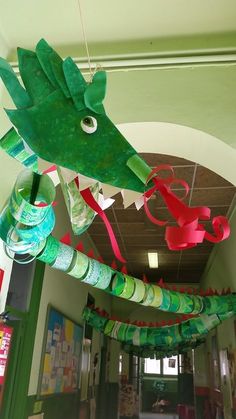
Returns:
<point x="61" y="356"/>
<point x="6" y="333"/>
<point x="5" y="276"/>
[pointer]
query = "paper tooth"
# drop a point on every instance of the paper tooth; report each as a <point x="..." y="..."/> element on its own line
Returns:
<point x="129" y="197"/>
<point x="139" y="203"/>
<point x="85" y="182"/>
<point x="67" y="174"/>
<point x="43" y="165"/>
<point x="109" y="191"/>
<point x="104" y="203"/>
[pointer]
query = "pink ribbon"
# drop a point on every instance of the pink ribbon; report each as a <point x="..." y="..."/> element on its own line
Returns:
<point x="189" y="231"/>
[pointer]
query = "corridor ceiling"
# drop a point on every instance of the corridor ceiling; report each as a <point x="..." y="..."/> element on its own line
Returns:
<point x="199" y="96"/>
<point x="136" y="234"/>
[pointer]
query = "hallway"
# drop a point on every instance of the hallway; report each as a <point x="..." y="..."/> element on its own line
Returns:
<point x="158" y="416"/>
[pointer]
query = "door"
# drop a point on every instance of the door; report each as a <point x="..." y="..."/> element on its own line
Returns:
<point x="226" y="383"/>
<point x="85" y="369"/>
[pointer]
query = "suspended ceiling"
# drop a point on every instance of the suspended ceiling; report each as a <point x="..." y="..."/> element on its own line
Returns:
<point x="136" y="234"/>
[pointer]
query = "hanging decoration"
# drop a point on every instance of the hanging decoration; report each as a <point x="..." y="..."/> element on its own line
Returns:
<point x="60" y="119"/>
<point x="64" y="135"/>
<point x="26" y="224"/>
<point x="161" y="340"/>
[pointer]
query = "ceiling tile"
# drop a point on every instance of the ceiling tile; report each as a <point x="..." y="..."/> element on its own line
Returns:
<point x="151" y="241"/>
<point x="128" y="215"/>
<point x="185" y="173"/>
<point x="136" y="234"/>
<point x="203" y="248"/>
<point x="109" y="214"/>
<point x="99" y="229"/>
<point x="219" y="210"/>
<point x="99" y="240"/>
<point x="134" y="229"/>
<point x="205" y="178"/>
<point x="153" y="160"/>
<point x="189" y="276"/>
<point x="212" y="196"/>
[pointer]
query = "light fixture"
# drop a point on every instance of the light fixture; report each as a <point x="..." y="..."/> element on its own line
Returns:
<point x="153" y="259"/>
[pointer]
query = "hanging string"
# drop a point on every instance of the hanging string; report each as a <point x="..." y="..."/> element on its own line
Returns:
<point x="85" y="39"/>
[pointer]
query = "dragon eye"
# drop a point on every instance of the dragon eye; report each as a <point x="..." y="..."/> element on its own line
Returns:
<point x="89" y="124"/>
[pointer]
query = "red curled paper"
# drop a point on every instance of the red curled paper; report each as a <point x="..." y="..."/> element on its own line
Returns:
<point x="189" y="231"/>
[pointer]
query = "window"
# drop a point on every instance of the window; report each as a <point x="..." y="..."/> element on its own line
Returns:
<point x="165" y="366"/>
<point x="152" y="366"/>
<point x="120" y="363"/>
<point x="170" y="366"/>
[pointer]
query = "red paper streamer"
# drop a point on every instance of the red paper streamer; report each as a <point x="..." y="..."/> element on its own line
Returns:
<point x="66" y="239"/>
<point x="145" y="279"/>
<point x="50" y="169"/>
<point x="2" y="272"/>
<point x="92" y="203"/>
<point x="124" y="270"/>
<point x="91" y="254"/>
<point x="80" y="247"/>
<point x="114" y="265"/>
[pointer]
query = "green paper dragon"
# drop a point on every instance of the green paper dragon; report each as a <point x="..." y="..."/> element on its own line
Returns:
<point x="61" y="118"/>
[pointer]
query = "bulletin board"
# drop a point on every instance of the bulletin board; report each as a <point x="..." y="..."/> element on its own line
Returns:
<point x="61" y="355"/>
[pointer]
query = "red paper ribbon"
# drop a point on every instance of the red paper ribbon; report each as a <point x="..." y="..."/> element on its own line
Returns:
<point x="189" y="231"/>
<point x="92" y="203"/>
<point x="2" y="272"/>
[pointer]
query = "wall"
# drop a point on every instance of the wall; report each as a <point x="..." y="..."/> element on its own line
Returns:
<point x="4" y="48"/>
<point x="219" y="273"/>
<point x="5" y="262"/>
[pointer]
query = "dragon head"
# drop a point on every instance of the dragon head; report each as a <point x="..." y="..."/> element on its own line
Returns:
<point x="62" y="119"/>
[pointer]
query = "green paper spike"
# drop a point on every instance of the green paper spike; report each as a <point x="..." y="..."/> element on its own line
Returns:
<point x="43" y="52"/>
<point x="52" y="64"/>
<point x="95" y="92"/>
<point x="19" y="96"/>
<point x="35" y="80"/>
<point x="75" y="82"/>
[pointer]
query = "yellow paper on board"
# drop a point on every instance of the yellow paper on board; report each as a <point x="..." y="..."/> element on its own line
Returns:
<point x="47" y="363"/>
<point x="1" y="336"/>
<point x="69" y="330"/>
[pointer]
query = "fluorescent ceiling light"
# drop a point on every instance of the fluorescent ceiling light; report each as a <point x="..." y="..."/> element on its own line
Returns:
<point x="153" y="259"/>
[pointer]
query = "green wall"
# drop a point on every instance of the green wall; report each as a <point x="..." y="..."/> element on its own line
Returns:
<point x="220" y="273"/>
